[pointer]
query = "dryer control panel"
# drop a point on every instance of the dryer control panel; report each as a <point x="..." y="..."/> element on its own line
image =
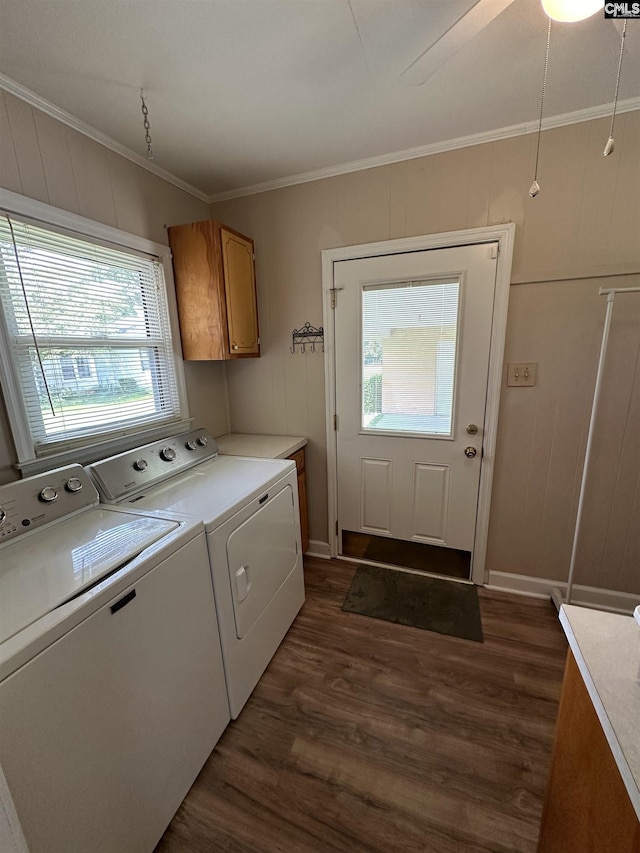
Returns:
<point x="28" y="504"/>
<point x="128" y="473"/>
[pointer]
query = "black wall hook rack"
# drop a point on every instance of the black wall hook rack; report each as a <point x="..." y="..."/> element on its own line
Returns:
<point x="308" y="335"/>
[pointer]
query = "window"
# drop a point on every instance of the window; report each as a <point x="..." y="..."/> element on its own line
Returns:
<point x="409" y="333"/>
<point x="88" y="339"/>
<point x="82" y="367"/>
<point x="67" y="368"/>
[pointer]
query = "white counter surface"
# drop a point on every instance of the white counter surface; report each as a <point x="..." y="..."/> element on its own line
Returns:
<point x="606" y="647"/>
<point x="269" y="446"/>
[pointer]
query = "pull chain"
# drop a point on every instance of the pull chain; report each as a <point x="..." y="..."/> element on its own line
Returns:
<point x="611" y="144"/>
<point x="147" y="126"/>
<point x="534" y="189"/>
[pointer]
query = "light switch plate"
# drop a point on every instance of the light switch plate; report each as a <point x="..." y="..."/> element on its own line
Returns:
<point x="523" y="373"/>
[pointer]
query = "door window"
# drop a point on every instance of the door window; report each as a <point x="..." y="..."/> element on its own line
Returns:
<point x="408" y="358"/>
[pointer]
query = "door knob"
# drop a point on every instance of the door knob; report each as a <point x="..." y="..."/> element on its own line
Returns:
<point x="472" y="429"/>
<point x="470" y="452"/>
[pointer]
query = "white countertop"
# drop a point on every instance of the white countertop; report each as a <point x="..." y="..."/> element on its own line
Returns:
<point x="269" y="446"/>
<point x="606" y="647"/>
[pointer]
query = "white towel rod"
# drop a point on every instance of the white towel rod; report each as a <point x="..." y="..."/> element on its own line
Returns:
<point x="610" y="293"/>
<point x="605" y="291"/>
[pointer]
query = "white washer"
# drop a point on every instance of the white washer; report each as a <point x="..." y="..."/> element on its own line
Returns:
<point x="112" y="690"/>
<point x="250" y="512"/>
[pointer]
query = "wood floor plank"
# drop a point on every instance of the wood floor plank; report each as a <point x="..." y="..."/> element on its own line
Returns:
<point x="366" y="736"/>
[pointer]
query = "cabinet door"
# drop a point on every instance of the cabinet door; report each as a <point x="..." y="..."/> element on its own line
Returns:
<point x="240" y="292"/>
<point x="304" y="518"/>
<point x="587" y="808"/>
<point x="299" y="458"/>
<point x="197" y="269"/>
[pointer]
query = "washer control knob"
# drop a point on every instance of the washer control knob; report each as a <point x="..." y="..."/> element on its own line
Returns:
<point x="73" y="484"/>
<point x="168" y="454"/>
<point x="48" y="494"/>
<point x="3" y="515"/>
<point x="203" y="441"/>
<point x="190" y="445"/>
<point x="140" y="464"/>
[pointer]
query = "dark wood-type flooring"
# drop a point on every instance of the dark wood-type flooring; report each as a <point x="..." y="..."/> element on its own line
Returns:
<point x="365" y="735"/>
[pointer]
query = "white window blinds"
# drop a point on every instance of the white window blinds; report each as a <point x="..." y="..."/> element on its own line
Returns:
<point x="88" y="333"/>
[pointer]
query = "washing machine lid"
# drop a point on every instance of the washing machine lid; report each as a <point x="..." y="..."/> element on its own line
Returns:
<point x="213" y="491"/>
<point x="43" y="570"/>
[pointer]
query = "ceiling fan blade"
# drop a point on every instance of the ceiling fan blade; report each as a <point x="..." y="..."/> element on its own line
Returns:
<point x="450" y="42"/>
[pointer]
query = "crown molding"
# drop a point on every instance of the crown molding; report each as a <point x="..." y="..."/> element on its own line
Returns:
<point x="45" y="106"/>
<point x="602" y="111"/>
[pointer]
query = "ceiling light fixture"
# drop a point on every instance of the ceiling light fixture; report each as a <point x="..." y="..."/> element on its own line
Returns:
<point x="571" y="10"/>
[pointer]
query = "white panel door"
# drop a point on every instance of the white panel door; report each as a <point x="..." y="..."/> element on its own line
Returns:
<point x="412" y="341"/>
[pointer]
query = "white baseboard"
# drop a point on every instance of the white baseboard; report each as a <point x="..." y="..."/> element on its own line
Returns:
<point x="318" y="549"/>
<point x="588" y="596"/>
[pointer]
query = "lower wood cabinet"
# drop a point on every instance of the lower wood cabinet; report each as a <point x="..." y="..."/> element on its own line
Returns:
<point x="299" y="458"/>
<point x="587" y="808"/>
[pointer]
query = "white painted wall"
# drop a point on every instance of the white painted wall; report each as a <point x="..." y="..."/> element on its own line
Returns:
<point x="584" y="223"/>
<point x="46" y="160"/>
<point x="542" y="435"/>
<point x="577" y="235"/>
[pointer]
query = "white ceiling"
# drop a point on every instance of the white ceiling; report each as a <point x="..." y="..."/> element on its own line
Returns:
<point x="242" y="92"/>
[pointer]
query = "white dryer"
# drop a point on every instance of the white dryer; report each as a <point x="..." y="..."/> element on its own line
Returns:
<point x="112" y="689"/>
<point x="250" y="512"/>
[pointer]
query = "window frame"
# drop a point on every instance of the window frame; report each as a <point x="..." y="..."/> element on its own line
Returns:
<point x="46" y="215"/>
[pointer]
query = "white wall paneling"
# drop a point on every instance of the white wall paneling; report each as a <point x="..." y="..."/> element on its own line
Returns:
<point x="49" y="162"/>
<point x="568" y="243"/>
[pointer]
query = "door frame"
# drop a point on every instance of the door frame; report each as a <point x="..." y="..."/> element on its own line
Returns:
<point x="504" y="236"/>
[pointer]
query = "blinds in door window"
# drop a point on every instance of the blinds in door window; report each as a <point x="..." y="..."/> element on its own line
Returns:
<point x="409" y="344"/>
<point x="88" y="331"/>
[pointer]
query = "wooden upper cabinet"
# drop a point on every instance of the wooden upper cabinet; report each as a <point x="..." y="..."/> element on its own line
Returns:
<point x="214" y="272"/>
